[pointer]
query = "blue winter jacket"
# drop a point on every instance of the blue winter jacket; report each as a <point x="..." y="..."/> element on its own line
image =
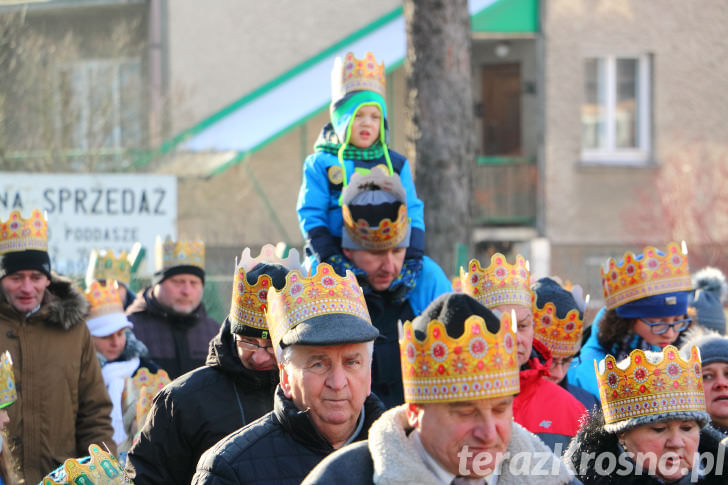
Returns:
<point x="386" y="308"/>
<point x="581" y="373"/>
<point x="319" y="212"/>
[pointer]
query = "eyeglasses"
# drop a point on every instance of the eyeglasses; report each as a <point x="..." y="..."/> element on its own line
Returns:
<point x="561" y="363"/>
<point x="659" y="328"/>
<point x="253" y="347"/>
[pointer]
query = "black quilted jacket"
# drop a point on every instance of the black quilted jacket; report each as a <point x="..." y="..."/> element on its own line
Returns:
<point x="196" y="411"/>
<point x="279" y="448"/>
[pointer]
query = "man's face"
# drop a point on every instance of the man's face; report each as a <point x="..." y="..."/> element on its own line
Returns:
<point x="524" y="337"/>
<point x="462" y="434"/>
<point x="382" y="267"/>
<point x="255" y="353"/>
<point x="332" y="382"/>
<point x="182" y="293"/>
<point x="24" y="289"/>
<point x="559" y="368"/>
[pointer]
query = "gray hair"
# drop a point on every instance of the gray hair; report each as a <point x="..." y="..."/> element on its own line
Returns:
<point x="285" y="355"/>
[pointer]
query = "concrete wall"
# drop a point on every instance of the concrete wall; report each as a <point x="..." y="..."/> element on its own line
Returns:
<point x="588" y="204"/>
<point x="220" y="51"/>
<point x="592" y="211"/>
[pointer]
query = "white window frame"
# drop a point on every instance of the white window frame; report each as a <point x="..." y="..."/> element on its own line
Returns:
<point x="624" y="156"/>
<point x="84" y="67"/>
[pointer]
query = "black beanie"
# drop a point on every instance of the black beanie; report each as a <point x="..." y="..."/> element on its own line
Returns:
<point x="452" y="309"/>
<point x="549" y="291"/>
<point x="30" y="259"/>
<point x="162" y="275"/>
<point x="277" y="273"/>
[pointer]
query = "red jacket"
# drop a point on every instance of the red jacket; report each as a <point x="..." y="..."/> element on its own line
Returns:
<point x="543" y="407"/>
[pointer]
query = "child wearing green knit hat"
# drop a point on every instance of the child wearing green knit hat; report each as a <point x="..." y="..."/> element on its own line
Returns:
<point x="354" y="141"/>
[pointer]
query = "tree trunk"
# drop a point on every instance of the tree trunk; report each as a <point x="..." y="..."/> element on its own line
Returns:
<point x="440" y="134"/>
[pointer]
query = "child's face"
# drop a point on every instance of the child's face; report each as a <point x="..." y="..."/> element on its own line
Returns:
<point x="365" y="128"/>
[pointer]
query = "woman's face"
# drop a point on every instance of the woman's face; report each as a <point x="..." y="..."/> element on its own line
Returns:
<point x="112" y="345"/>
<point x="661" y="340"/>
<point x="668" y="448"/>
<point x="715" y="384"/>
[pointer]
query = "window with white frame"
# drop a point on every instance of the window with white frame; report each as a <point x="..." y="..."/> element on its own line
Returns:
<point x="99" y="104"/>
<point x="616" y="110"/>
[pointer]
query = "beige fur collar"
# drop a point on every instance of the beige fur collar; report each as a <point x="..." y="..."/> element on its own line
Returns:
<point x="396" y="460"/>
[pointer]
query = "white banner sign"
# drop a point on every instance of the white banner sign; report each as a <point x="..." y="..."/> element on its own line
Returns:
<point x="93" y="211"/>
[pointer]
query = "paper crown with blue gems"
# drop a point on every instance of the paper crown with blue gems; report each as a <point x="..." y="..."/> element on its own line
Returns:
<point x="99" y="468"/>
<point x="8" y="392"/>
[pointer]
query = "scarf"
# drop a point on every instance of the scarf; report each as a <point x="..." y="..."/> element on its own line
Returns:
<point x="402" y="286"/>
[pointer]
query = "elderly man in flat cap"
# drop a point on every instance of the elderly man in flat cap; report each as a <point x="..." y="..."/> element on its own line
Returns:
<point x="323" y="337"/>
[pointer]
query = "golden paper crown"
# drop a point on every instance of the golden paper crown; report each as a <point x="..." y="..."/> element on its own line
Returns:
<point x="250" y="302"/>
<point x="387" y="235"/>
<point x="100" y="468"/>
<point x="184" y="252"/>
<point x="498" y="284"/>
<point x="476" y="365"/>
<point x="649" y="384"/>
<point x="103" y="298"/>
<point x="561" y="335"/>
<point x="650" y="273"/>
<point x="302" y="298"/>
<point x="142" y="388"/>
<point x="8" y="392"/>
<point x="18" y="234"/>
<point x="353" y="74"/>
<point x="105" y="265"/>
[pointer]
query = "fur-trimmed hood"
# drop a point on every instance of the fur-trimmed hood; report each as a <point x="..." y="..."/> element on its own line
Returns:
<point x="396" y="461"/>
<point x="592" y="440"/>
<point x="63" y="306"/>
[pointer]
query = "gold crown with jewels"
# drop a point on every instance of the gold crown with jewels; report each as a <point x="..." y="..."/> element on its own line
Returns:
<point x="650" y="273"/>
<point x="184" y="252"/>
<point x="646" y="384"/>
<point x="478" y="364"/>
<point x="500" y="283"/>
<point x="105" y="265"/>
<point x="249" y="302"/>
<point x="19" y="234"/>
<point x="561" y="335"/>
<point x="103" y="298"/>
<point x="354" y="74"/>
<point x="8" y="392"/>
<point x="99" y="468"/>
<point x="305" y="297"/>
<point x="387" y="234"/>
<point x="140" y="391"/>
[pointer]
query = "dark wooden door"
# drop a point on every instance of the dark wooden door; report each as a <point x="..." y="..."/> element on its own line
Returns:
<point x="502" y="109"/>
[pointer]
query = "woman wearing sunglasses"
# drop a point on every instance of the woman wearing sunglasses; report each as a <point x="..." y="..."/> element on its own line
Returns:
<point x="646" y="308"/>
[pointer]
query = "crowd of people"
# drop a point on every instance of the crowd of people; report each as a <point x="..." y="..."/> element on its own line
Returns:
<point x="359" y="362"/>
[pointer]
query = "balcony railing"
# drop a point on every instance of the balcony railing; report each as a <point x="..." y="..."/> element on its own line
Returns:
<point x="504" y="191"/>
